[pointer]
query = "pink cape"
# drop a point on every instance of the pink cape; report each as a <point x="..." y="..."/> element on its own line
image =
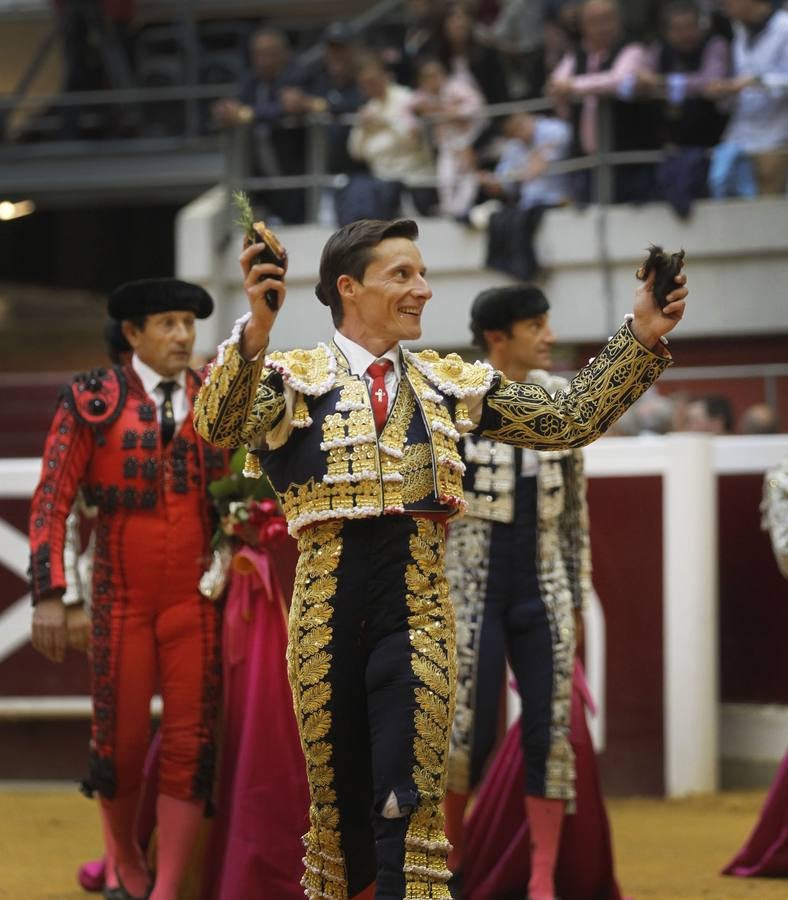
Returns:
<point x="766" y="850"/>
<point x="262" y="794"/>
<point x="497" y="833"/>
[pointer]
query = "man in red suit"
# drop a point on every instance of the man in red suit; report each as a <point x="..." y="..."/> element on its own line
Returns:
<point x="125" y="437"/>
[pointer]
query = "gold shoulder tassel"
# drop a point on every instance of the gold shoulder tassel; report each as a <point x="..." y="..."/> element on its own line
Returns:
<point x="252" y="466"/>
<point x="301" y="417"/>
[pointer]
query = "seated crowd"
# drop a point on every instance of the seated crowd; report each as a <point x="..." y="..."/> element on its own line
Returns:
<point x="705" y="83"/>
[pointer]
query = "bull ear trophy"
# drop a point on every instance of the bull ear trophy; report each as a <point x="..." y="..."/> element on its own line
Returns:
<point x="271" y="249"/>
<point x="666" y="266"/>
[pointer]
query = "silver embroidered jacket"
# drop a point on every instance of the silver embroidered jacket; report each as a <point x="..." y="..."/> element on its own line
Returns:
<point x="564" y="551"/>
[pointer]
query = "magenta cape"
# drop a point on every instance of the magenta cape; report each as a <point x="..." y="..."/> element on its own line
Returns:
<point x="262" y="793"/>
<point x="766" y="850"/>
<point x="497" y="833"/>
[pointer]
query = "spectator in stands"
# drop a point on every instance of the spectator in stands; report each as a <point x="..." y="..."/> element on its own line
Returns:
<point x="712" y="414"/>
<point x="457" y="102"/>
<point x="759" y="418"/>
<point x="272" y="98"/>
<point x="640" y="18"/>
<point x="464" y="56"/>
<point x="521" y="178"/>
<point x="606" y="66"/>
<point x="390" y="139"/>
<point x="558" y="38"/>
<point x="403" y="43"/>
<point x="655" y="413"/>
<point x="333" y="88"/>
<point x="758" y="130"/>
<point x="679" y="67"/>
<point x="567" y="14"/>
<point x="519" y="34"/>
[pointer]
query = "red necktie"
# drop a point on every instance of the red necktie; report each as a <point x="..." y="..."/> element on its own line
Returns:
<point x="378" y="392"/>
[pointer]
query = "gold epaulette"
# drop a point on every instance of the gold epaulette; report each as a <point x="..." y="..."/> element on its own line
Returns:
<point x="310" y="372"/>
<point x="451" y="374"/>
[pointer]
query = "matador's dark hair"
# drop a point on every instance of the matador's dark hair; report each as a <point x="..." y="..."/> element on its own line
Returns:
<point x="349" y="252"/>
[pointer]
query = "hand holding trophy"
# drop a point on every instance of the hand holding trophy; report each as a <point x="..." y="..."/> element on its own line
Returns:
<point x="271" y="250"/>
<point x="666" y="267"/>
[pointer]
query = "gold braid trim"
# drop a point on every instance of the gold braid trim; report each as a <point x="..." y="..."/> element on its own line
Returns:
<point x="433" y="660"/>
<point x="526" y="415"/>
<point x="308" y="664"/>
<point x="235" y="405"/>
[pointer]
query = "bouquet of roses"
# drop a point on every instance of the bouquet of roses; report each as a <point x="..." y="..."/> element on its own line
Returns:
<point x="254" y="522"/>
<point x="248" y="514"/>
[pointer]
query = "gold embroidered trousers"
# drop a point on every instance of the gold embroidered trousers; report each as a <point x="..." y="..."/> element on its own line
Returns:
<point x="372" y="668"/>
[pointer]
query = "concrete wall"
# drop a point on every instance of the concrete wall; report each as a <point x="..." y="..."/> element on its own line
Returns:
<point x="737" y="261"/>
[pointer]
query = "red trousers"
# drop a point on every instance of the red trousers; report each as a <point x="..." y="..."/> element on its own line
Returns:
<point x="152" y="628"/>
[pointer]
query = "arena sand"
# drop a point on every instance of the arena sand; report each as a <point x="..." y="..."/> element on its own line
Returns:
<point x="665" y="850"/>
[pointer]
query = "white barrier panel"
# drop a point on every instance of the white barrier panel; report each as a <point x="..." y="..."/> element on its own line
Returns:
<point x="688" y="464"/>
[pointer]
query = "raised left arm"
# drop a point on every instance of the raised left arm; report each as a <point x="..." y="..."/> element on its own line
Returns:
<point x="527" y="416"/>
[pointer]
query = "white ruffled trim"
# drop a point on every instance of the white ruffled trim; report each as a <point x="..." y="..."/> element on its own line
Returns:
<point x="337" y="879"/>
<point x="352" y="477"/>
<point x="443" y="428"/>
<point x="464" y="425"/>
<point x="349" y="441"/>
<point x="235" y="338"/>
<point x="393" y="476"/>
<point x="432" y="874"/>
<point x="391" y="451"/>
<point x="350" y="406"/>
<point x="457" y="465"/>
<point x="421" y="844"/>
<point x="301" y="423"/>
<point x="449" y="387"/>
<point x="304" y="387"/>
<point x="432" y="396"/>
<point x="339" y="860"/>
<point x="394" y="510"/>
<point x="311" y="892"/>
<point x="323" y="515"/>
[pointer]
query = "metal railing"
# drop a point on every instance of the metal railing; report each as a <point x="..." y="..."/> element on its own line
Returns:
<point x="601" y="164"/>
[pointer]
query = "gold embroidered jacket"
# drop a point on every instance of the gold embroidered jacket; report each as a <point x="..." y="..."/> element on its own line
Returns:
<point x="310" y="422"/>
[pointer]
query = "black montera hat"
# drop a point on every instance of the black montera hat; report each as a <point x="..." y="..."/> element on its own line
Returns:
<point x="497" y="308"/>
<point x="157" y="295"/>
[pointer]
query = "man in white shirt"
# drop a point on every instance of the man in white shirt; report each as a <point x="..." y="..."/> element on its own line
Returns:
<point x="366" y="465"/>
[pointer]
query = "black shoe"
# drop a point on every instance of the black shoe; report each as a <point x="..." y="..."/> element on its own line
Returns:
<point x="123" y="894"/>
<point x="116" y="893"/>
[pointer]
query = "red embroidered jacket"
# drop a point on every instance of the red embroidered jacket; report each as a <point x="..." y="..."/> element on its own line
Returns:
<point x="105" y="439"/>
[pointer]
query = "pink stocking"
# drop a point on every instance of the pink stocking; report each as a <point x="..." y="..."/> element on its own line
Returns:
<point x="544" y="818"/>
<point x="179" y="824"/>
<point x="120" y="814"/>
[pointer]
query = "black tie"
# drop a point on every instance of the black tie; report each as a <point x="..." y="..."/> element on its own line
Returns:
<point x="167" y="415"/>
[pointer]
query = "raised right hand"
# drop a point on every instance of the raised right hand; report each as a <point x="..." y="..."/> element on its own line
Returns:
<point x="49" y="628"/>
<point x="257" y="281"/>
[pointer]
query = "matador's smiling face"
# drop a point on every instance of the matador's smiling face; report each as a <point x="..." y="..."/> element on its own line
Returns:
<point x="386" y="305"/>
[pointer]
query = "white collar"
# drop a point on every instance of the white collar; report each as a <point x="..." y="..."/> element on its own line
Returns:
<point x="359" y="358"/>
<point x="151" y="379"/>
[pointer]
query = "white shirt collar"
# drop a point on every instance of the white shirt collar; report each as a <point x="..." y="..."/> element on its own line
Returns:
<point x="359" y="358"/>
<point x="150" y="378"/>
